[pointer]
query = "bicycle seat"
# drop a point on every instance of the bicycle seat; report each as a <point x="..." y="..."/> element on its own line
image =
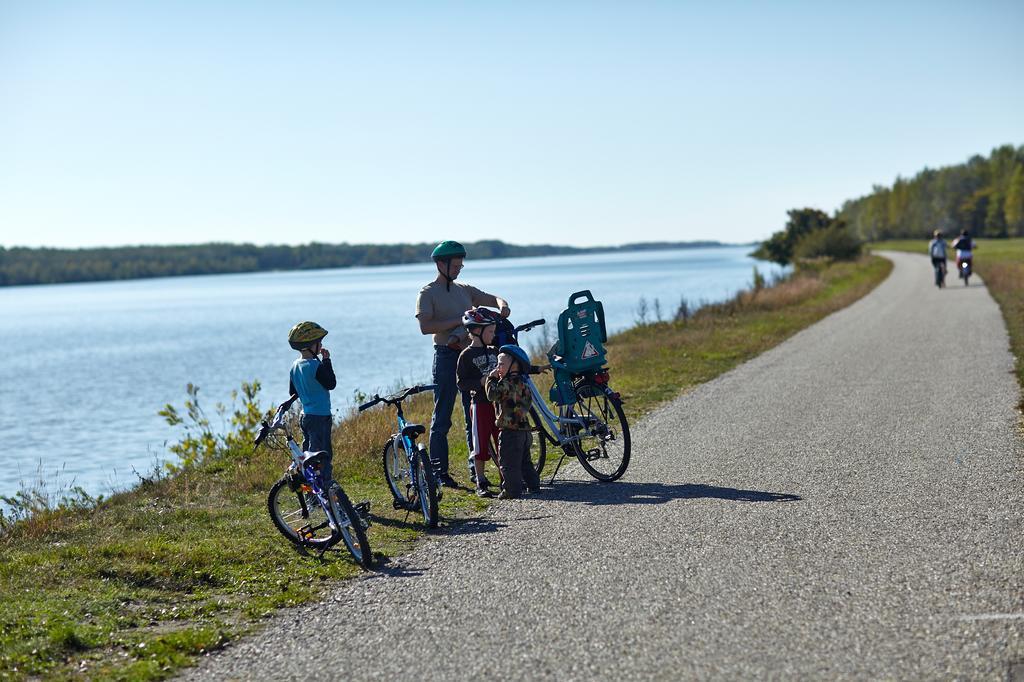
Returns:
<point x="314" y="459"/>
<point x="413" y="430"/>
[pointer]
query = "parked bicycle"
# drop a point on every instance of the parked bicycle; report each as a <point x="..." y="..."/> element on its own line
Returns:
<point x="309" y="511"/>
<point x="407" y="467"/>
<point x="590" y="424"/>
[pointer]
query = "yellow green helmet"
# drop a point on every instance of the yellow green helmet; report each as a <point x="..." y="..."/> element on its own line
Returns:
<point x="305" y="334"/>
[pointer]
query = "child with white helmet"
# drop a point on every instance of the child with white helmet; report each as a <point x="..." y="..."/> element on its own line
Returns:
<point x="475" y="363"/>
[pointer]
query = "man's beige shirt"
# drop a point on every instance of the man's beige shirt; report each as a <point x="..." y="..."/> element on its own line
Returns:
<point x="434" y="302"/>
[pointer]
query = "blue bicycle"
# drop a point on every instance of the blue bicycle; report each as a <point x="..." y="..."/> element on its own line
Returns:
<point x="407" y="467"/>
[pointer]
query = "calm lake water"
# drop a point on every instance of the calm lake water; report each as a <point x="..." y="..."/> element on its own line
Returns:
<point x="85" y="367"/>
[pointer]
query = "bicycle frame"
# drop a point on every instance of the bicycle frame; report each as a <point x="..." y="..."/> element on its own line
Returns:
<point x="551" y="420"/>
<point x="309" y="474"/>
<point x="407" y="444"/>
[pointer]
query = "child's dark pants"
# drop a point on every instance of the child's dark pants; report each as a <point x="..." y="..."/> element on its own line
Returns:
<point x="316" y="436"/>
<point x="515" y="463"/>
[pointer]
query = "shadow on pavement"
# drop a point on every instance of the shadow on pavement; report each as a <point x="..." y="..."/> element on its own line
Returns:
<point x="384" y="567"/>
<point x="628" y="492"/>
<point x="470" y="527"/>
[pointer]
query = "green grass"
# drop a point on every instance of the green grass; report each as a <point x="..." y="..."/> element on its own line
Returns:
<point x="1001" y="263"/>
<point x="138" y="585"/>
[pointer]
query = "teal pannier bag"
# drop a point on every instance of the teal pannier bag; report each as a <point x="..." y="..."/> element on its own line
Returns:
<point x="580" y="346"/>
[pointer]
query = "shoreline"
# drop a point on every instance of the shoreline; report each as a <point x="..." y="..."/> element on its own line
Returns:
<point x="8" y="261"/>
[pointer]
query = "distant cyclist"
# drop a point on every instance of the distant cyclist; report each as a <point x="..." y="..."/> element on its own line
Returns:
<point x="439" y="308"/>
<point x="937" y="250"/>
<point x="964" y="246"/>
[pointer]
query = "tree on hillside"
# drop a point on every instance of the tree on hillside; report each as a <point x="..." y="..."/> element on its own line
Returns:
<point x="975" y="195"/>
<point x="995" y="221"/>
<point x="1013" y="208"/>
<point x="973" y="211"/>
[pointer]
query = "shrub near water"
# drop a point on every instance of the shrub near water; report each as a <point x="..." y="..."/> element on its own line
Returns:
<point x="835" y="242"/>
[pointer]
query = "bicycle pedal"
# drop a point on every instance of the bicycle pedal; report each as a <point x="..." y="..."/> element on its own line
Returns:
<point x="363" y="513"/>
<point x="594" y="453"/>
<point x="398" y="505"/>
<point x="306" y="532"/>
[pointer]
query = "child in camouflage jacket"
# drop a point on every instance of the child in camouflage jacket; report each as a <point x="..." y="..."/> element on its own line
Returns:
<point x="512" y="400"/>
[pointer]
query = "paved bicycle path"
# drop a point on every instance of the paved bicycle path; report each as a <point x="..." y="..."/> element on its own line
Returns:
<point x="845" y="505"/>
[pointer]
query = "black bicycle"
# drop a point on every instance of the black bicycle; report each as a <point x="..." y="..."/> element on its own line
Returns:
<point x="309" y="511"/>
<point x="407" y="467"/>
<point x="940" y="273"/>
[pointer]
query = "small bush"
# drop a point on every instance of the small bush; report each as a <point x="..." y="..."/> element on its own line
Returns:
<point x="759" y="281"/>
<point x="834" y="243"/>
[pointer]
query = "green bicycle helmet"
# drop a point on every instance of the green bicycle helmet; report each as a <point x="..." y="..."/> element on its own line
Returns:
<point x="447" y="250"/>
<point x="305" y="334"/>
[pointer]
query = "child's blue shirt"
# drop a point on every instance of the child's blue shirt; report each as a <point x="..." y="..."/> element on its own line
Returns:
<point x="312" y="379"/>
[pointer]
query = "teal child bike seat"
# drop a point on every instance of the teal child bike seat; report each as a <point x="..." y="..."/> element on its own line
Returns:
<point x="582" y="334"/>
<point x="580" y="345"/>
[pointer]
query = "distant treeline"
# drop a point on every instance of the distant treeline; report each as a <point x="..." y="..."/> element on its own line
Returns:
<point x="983" y="195"/>
<point x="21" y="265"/>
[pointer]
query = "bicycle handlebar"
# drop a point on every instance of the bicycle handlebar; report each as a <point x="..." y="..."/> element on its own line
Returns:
<point x="396" y="398"/>
<point x="275" y="423"/>
<point x="530" y="325"/>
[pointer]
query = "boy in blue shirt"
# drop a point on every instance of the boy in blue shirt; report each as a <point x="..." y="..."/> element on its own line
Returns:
<point x="311" y="378"/>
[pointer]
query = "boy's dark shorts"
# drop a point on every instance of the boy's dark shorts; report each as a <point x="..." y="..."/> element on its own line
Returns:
<point x="316" y="433"/>
<point x="316" y="436"/>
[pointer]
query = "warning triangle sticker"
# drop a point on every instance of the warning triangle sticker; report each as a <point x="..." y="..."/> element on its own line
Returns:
<point x="589" y="351"/>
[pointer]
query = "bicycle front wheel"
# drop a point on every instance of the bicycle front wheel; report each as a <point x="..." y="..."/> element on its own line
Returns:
<point x="604" y="446"/>
<point x="350" y="526"/>
<point x="396" y="473"/>
<point x="297" y="513"/>
<point x="426" y="487"/>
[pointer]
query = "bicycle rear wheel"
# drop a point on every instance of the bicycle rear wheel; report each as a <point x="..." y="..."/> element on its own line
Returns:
<point x="604" y="446"/>
<point x="351" y="527"/>
<point x="426" y="487"/>
<point x="297" y="513"/>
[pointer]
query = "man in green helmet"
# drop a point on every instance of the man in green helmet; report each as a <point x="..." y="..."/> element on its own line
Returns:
<point x="439" y="308"/>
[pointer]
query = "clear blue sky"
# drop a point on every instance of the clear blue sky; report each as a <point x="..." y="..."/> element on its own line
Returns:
<point x="565" y="122"/>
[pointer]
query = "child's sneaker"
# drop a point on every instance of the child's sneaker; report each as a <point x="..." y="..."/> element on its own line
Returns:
<point x="483" y="492"/>
<point x="505" y="495"/>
